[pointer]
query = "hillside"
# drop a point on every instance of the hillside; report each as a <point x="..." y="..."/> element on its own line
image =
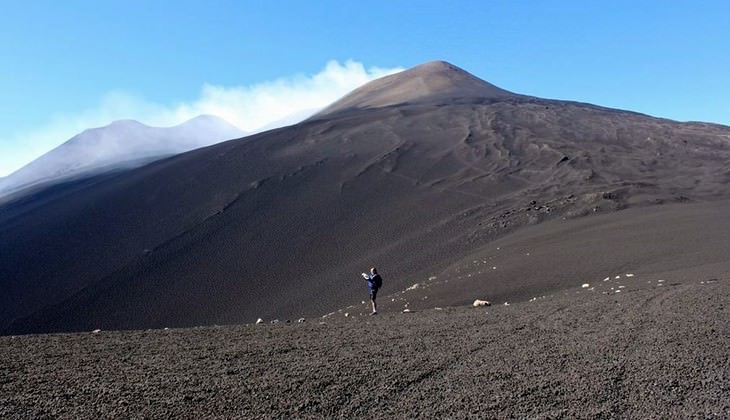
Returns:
<point x="280" y="224"/>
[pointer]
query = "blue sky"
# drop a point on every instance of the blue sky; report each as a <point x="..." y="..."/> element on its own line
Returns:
<point x="64" y="65"/>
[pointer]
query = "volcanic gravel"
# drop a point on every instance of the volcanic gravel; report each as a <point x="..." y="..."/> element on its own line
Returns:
<point x="627" y="347"/>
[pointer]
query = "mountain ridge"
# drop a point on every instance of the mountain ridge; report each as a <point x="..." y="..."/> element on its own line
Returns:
<point x="120" y="144"/>
<point x="281" y="223"/>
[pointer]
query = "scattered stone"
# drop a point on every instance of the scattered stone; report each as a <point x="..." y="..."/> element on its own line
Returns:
<point x="586" y="285"/>
<point x="276" y="321"/>
<point x="494" y="268"/>
<point x="478" y="302"/>
<point x="347" y="314"/>
<point x="622" y="287"/>
<point x="438" y="309"/>
<point x="300" y="320"/>
<point x="629" y="275"/>
<point x="506" y="304"/>
<point x="432" y="278"/>
<point x="259" y="321"/>
<point x="407" y="311"/>
<point x="414" y="287"/>
<point x="607" y="279"/>
<point x="660" y="281"/>
<point x="617" y="277"/>
<point x="96" y="331"/>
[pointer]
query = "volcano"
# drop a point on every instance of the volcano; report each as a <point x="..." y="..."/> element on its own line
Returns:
<point x="122" y="144"/>
<point x="454" y="188"/>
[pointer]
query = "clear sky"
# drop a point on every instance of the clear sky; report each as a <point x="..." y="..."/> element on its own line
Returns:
<point x="72" y="64"/>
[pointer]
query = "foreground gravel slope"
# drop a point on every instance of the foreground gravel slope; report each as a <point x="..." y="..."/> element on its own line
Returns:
<point x="654" y="349"/>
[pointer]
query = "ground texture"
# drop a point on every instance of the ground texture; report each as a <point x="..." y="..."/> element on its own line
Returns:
<point x="627" y="347"/>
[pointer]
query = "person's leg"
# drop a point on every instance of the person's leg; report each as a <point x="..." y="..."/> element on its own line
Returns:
<point x="373" y="296"/>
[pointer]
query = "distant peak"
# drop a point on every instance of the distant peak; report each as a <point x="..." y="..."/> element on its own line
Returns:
<point x="431" y="82"/>
<point x="125" y="123"/>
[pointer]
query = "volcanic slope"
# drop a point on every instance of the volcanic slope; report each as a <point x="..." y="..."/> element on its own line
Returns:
<point x="278" y="225"/>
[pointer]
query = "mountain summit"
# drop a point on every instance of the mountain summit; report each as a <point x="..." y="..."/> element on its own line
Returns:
<point x="432" y="82"/>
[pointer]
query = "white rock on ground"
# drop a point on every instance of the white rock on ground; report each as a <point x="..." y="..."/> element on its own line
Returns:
<point x="586" y="285"/>
<point x="478" y="302"/>
<point x="259" y="321"/>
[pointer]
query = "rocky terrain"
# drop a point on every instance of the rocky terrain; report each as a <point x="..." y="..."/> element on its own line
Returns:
<point x="624" y="346"/>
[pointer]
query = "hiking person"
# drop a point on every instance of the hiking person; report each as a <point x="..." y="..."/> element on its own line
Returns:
<point x="374" y="283"/>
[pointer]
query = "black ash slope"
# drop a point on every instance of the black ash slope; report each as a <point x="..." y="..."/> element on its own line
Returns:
<point x="279" y="225"/>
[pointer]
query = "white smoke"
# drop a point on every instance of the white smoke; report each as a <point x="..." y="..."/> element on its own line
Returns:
<point x="251" y="108"/>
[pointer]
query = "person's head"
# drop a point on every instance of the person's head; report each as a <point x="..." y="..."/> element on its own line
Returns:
<point x="373" y="271"/>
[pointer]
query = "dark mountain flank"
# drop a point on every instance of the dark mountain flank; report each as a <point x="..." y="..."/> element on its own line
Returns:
<point x="412" y="173"/>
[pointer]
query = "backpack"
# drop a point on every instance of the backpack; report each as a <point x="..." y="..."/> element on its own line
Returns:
<point x="378" y="281"/>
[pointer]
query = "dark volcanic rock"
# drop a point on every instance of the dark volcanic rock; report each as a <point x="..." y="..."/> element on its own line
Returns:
<point x="280" y="224"/>
<point x="655" y="350"/>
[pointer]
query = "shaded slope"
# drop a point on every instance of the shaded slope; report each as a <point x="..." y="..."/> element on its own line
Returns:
<point x="279" y="224"/>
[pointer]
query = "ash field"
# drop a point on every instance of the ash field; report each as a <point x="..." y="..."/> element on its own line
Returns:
<point x="656" y="349"/>
<point x="607" y="232"/>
